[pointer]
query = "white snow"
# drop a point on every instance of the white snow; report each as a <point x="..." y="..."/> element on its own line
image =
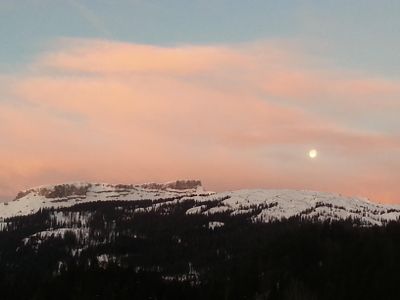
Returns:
<point x="280" y="204"/>
<point x="81" y="233"/>
<point x="196" y="210"/>
<point x="33" y="201"/>
<point x="261" y="205"/>
<point x="215" y="224"/>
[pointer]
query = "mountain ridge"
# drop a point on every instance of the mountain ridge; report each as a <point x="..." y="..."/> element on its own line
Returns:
<point x="162" y="243"/>
<point x="263" y="205"/>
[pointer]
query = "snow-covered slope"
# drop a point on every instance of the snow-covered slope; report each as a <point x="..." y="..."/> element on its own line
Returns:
<point x="260" y="205"/>
<point x="270" y="205"/>
<point x="64" y="195"/>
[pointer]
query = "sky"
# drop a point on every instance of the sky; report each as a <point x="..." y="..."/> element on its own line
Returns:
<point x="235" y="93"/>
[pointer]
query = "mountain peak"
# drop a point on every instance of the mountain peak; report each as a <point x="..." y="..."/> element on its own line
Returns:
<point x="258" y="204"/>
<point x="78" y="188"/>
<point x="174" y="185"/>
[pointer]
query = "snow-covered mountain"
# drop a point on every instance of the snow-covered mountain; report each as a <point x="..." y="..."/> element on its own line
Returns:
<point x="257" y="204"/>
<point x="65" y="195"/>
<point x="149" y="240"/>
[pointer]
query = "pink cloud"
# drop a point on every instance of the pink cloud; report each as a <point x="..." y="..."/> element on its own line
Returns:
<point x="103" y="57"/>
<point x="234" y="116"/>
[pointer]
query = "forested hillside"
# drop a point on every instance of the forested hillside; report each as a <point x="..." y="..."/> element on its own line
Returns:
<point x="116" y="250"/>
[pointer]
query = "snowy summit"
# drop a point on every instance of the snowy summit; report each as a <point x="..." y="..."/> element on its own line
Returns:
<point x="259" y="204"/>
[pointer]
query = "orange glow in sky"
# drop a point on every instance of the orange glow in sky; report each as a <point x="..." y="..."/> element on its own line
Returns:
<point x="235" y="116"/>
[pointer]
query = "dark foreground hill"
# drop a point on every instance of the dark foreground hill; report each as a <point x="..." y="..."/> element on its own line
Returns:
<point x="165" y="248"/>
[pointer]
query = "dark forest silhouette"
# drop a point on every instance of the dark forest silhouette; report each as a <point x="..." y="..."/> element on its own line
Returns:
<point x="160" y="255"/>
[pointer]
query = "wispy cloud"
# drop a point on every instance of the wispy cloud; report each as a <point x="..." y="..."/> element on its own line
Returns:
<point x="233" y="115"/>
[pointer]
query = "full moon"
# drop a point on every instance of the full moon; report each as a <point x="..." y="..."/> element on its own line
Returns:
<point x="313" y="153"/>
